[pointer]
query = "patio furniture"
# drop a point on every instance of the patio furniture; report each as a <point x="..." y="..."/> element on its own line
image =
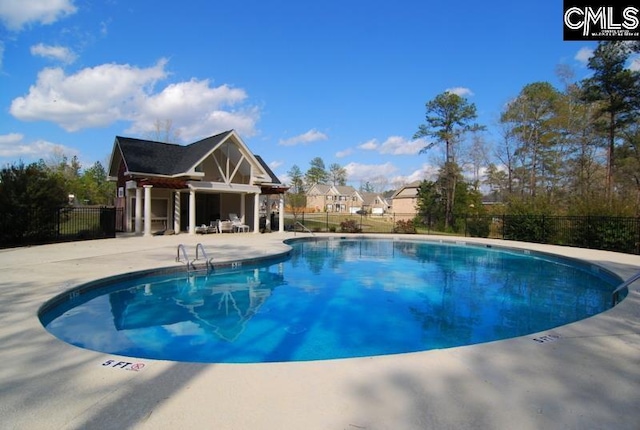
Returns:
<point x="225" y="226"/>
<point x="206" y="229"/>
<point x="238" y="226"/>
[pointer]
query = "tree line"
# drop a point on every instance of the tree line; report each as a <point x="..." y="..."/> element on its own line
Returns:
<point x="42" y="186"/>
<point x="573" y="150"/>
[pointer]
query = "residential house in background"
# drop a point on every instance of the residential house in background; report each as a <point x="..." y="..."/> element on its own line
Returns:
<point x="375" y="204"/>
<point x="334" y="198"/>
<point x="404" y="203"/>
<point x="170" y="187"/>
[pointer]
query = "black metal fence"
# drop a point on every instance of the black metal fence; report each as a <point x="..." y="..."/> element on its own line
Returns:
<point x="620" y="234"/>
<point x="346" y="223"/>
<point x="60" y="225"/>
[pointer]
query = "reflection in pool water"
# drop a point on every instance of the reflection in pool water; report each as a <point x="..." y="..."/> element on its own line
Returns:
<point x="334" y="299"/>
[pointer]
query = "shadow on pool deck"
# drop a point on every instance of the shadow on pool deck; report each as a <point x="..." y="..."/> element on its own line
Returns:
<point x="586" y="379"/>
<point x="515" y="385"/>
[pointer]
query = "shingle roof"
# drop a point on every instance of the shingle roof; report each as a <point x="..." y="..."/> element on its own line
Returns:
<point x="145" y="156"/>
<point x="274" y="178"/>
<point x="148" y="156"/>
<point x="346" y="190"/>
<point x="408" y="191"/>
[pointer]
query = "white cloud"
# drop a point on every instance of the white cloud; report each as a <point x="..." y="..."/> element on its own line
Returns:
<point x="15" y="14"/>
<point x="102" y="95"/>
<point x="104" y="27"/>
<point x="59" y="53"/>
<point x="275" y="164"/>
<point x="461" y="91"/>
<point x="92" y="97"/>
<point x="344" y="153"/>
<point x="397" y="145"/>
<point x="197" y="110"/>
<point x="13" y="146"/>
<point x="370" y="145"/>
<point x="583" y="55"/>
<point x="426" y="171"/>
<point x="284" y="178"/>
<point x="363" y="172"/>
<point x="310" y="136"/>
<point x="394" y="145"/>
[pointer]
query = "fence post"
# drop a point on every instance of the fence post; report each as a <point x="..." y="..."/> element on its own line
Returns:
<point x="638" y="235"/>
<point x="466" y="221"/>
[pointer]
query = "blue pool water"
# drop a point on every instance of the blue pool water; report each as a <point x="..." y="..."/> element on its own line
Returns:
<point x="333" y="299"/>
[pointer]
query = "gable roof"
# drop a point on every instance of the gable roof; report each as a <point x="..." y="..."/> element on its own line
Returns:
<point x="409" y="191"/>
<point x="369" y="198"/>
<point x="319" y="189"/>
<point x="147" y="157"/>
<point x="159" y="158"/>
<point x="267" y="169"/>
<point x="346" y="190"/>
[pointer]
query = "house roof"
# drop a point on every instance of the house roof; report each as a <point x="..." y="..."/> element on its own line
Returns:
<point x="409" y="191"/>
<point x="319" y="189"/>
<point x="159" y="158"/>
<point x="339" y="190"/>
<point x="267" y="169"/>
<point x="346" y="190"/>
<point x="147" y="157"/>
<point x="369" y="198"/>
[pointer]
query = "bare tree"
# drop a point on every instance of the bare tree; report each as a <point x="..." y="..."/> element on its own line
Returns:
<point x="164" y="131"/>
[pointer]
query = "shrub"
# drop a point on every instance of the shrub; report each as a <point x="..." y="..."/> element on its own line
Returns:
<point x="350" y="226"/>
<point x="478" y="226"/>
<point x="405" y="227"/>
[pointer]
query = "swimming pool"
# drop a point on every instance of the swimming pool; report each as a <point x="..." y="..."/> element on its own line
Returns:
<point x="332" y="299"/>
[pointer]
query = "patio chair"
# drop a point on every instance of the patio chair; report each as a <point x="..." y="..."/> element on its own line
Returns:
<point x="238" y="226"/>
<point x="225" y="226"/>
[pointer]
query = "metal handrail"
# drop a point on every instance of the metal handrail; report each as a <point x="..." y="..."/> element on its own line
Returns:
<point x="616" y="293"/>
<point x="184" y="256"/>
<point x="200" y="247"/>
<point x="304" y="227"/>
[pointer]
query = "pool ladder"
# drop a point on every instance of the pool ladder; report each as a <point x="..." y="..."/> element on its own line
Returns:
<point x="615" y="296"/>
<point x="183" y="257"/>
<point x="208" y="261"/>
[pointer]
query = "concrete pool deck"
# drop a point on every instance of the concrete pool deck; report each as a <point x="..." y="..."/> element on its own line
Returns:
<point x="586" y="376"/>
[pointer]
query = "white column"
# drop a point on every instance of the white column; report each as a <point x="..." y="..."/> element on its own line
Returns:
<point x="256" y="213"/>
<point x="147" y="209"/>
<point x="138" y="220"/>
<point x="128" y="211"/>
<point x="192" y="212"/>
<point x="243" y="207"/>
<point x="168" y="224"/>
<point x="176" y="212"/>
<point x="267" y="223"/>
<point x="281" y="214"/>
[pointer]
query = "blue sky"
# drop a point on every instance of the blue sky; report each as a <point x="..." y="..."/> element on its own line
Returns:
<point x="346" y="80"/>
